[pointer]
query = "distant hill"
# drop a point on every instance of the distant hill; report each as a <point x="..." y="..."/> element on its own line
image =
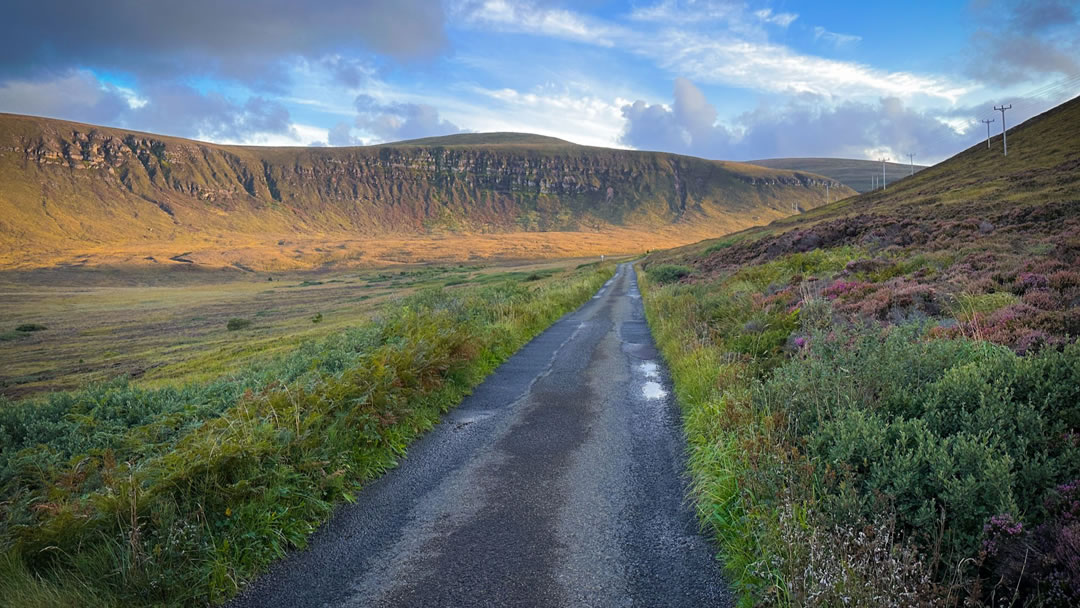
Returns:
<point x="856" y="174"/>
<point x="1026" y="205"/>
<point x="77" y="194"/>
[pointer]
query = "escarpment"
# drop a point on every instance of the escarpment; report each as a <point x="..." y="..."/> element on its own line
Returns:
<point x="104" y="185"/>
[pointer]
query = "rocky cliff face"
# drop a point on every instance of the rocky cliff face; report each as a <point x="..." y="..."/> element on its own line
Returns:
<point x="102" y="175"/>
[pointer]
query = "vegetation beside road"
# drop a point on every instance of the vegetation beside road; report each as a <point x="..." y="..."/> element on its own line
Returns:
<point x="882" y="397"/>
<point x="120" y="495"/>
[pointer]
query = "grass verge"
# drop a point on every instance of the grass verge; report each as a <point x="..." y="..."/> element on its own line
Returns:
<point x="119" y="495"/>
<point x="846" y="459"/>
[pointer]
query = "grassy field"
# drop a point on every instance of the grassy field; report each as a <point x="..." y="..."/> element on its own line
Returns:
<point x="175" y="494"/>
<point x="882" y="397"/>
<point x="159" y="326"/>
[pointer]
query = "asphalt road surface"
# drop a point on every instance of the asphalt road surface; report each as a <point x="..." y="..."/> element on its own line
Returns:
<point x="558" y="482"/>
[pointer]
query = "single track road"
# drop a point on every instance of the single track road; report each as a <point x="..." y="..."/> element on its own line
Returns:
<point x="558" y="482"/>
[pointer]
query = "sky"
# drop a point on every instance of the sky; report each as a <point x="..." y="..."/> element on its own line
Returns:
<point x="721" y="79"/>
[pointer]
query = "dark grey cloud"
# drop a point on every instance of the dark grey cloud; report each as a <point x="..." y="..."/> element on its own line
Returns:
<point x="243" y="40"/>
<point x="1034" y="16"/>
<point x="167" y="108"/>
<point x="1024" y="40"/>
<point x="181" y="110"/>
<point x="351" y="72"/>
<point x="398" y="121"/>
<point x="653" y="127"/>
<point x="805" y="126"/>
<point x="77" y="96"/>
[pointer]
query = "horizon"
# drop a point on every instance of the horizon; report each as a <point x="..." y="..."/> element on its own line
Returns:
<point x="721" y="80"/>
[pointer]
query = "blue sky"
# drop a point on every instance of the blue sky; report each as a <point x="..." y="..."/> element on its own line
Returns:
<point x="714" y="78"/>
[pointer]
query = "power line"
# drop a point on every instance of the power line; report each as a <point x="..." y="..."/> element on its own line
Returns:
<point x="1004" y="133"/>
<point x="1033" y="102"/>
<point x="988" y="131"/>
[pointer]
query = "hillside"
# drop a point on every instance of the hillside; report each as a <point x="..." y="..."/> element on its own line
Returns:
<point x="856" y="174"/>
<point x="882" y="395"/>
<point x="79" y="194"/>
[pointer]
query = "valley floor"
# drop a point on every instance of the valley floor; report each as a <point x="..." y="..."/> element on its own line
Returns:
<point x="170" y="325"/>
<point x="326" y="252"/>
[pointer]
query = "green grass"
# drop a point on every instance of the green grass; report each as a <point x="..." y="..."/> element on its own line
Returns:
<point x="121" y="495"/>
<point x="236" y="324"/>
<point x="669" y="273"/>
<point x="968" y="305"/>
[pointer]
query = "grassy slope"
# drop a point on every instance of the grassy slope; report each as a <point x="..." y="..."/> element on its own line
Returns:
<point x="868" y="385"/>
<point x="857" y="174"/>
<point x="116" y="495"/>
<point x="81" y="194"/>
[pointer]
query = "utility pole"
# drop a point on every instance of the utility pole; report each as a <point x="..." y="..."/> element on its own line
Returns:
<point x="911" y="161"/>
<point x="1004" y="136"/>
<point x="873" y="182"/>
<point x="827" y="200"/>
<point x="883" y="161"/>
<point x="987" y="131"/>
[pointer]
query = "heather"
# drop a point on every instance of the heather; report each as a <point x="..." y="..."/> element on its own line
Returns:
<point x="882" y="397"/>
<point x="123" y="495"/>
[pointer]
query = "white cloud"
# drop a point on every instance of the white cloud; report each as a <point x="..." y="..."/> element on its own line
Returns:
<point x="688" y="11"/>
<point x="741" y="57"/>
<point x="764" y="66"/>
<point x="582" y="119"/>
<point x="781" y="19"/>
<point x="297" y="135"/>
<point x="523" y="18"/>
<point x="835" y="38"/>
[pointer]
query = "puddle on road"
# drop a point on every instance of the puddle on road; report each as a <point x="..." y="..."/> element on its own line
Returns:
<point x="653" y="390"/>
<point x="649" y="369"/>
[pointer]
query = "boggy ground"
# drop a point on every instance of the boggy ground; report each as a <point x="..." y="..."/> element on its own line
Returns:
<point x="168" y="325"/>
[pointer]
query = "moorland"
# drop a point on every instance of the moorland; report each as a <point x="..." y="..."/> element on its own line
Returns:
<point x="881" y="395"/>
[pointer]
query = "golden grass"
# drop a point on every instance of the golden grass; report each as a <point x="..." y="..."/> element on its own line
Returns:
<point x="163" y="327"/>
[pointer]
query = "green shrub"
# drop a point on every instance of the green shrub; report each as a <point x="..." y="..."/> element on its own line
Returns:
<point x="955" y="427"/>
<point x="235" y="324"/>
<point x="806" y="434"/>
<point x="120" y="495"/>
<point x="668" y="273"/>
<point x="718" y="246"/>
